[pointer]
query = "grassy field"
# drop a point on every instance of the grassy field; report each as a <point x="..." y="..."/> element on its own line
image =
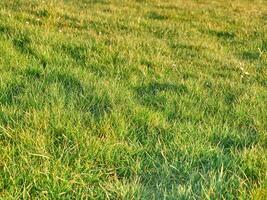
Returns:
<point x="144" y="99"/>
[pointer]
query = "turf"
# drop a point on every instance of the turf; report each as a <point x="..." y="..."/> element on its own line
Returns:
<point x="145" y="99"/>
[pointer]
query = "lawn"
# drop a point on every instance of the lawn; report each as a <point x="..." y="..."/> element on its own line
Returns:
<point x="133" y="99"/>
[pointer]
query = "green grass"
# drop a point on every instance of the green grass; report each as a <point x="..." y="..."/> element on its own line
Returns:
<point x="141" y="99"/>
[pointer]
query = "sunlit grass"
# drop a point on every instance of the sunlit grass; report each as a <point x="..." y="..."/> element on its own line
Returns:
<point x="136" y="99"/>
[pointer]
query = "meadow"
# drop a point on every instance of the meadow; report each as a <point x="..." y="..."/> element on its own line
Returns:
<point x="133" y="99"/>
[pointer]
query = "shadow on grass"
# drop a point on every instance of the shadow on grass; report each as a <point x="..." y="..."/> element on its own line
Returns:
<point x="77" y="53"/>
<point x="6" y="30"/>
<point x="11" y="93"/>
<point x="241" y="133"/>
<point x="226" y="35"/>
<point x="235" y="141"/>
<point x="75" y="94"/>
<point x="150" y="94"/>
<point x="85" y="99"/>
<point x="186" y="51"/>
<point x="23" y="43"/>
<point x="250" y="55"/>
<point x="156" y="16"/>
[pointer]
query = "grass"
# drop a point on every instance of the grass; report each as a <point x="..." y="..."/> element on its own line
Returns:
<point x="145" y="99"/>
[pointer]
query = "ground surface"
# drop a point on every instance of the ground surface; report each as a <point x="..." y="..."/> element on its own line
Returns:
<point x="133" y="99"/>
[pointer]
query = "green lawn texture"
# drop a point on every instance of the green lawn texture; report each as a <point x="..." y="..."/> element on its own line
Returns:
<point x="136" y="99"/>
